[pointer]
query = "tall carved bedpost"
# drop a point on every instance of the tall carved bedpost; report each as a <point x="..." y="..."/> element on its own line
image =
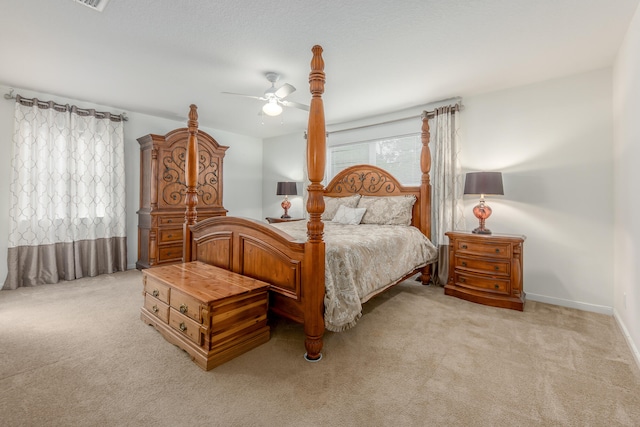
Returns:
<point x="425" y="190"/>
<point x="314" y="260"/>
<point x="191" y="178"/>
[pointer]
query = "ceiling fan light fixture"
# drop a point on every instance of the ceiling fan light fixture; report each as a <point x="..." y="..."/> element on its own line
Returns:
<point x="272" y="108"/>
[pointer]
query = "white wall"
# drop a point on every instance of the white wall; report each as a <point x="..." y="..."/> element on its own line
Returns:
<point x="553" y="143"/>
<point x="626" y="108"/>
<point x="242" y="191"/>
<point x="283" y="160"/>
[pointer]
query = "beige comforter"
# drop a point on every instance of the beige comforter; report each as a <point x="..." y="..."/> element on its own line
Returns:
<point x="361" y="260"/>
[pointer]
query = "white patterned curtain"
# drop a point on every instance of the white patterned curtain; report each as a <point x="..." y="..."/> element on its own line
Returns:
<point x="447" y="183"/>
<point x="67" y="206"/>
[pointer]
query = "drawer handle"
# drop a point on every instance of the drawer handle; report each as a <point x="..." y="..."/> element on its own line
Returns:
<point x="183" y="308"/>
<point x="169" y="236"/>
<point x="462" y="280"/>
<point x="497" y="251"/>
<point x="496" y="267"/>
<point x="155" y="293"/>
<point x="155" y="308"/>
<point x="169" y="220"/>
<point x="464" y="246"/>
<point x="464" y="264"/>
<point x="183" y="327"/>
<point x="496" y="286"/>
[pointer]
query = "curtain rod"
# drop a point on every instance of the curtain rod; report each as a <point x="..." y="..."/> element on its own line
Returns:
<point x="66" y="107"/>
<point x="429" y="114"/>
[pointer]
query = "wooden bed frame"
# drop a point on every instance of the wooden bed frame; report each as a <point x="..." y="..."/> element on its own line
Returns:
<point x="296" y="270"/>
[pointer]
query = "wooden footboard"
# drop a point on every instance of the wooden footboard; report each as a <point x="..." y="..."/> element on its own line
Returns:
<point x="257" y="250"/>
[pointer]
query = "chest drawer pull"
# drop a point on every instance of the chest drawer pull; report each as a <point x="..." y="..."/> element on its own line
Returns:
<point x="497" y="250"/>
<point x="464" y="246"/>
<point x="183" y="308"/>
<point x="496" y="286"/>
<point x="462" y="280"/>
<point x="496" y="268"/>
<point x="155" y="308"/>
<point x="155" y="293"/>
<point x="464" y="264"/>
<point x="183" y="327"/>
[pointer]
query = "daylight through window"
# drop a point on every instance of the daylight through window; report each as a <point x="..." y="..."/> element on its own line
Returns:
<point x="400" y="156"/>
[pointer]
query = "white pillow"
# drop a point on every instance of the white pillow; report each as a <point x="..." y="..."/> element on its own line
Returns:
<point x="347" y="215"/>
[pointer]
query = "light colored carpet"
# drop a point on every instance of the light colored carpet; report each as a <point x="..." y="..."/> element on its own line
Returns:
<point x="77" y="354"/>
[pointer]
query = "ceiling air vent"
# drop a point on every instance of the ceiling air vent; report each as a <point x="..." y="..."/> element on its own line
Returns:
<point x="98" y="5"/>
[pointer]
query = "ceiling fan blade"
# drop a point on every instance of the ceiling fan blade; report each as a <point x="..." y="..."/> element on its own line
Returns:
<point x="246" y="96"/>
<point x="295" y="105"/>
<point x="285" y="90"/>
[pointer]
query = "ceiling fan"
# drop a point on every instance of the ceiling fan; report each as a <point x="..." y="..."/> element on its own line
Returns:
<point x="275" y="97"/>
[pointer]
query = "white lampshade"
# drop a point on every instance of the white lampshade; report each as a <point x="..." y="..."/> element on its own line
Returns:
<point x="272" y="108"/>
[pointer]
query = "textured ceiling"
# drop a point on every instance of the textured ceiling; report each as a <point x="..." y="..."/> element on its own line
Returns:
<point x="159" y="56"/>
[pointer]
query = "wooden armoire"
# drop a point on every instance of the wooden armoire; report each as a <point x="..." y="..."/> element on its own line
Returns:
<point x="162" y="193"/>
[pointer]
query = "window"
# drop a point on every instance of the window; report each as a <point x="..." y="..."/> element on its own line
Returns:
<point x="400" y="156"/>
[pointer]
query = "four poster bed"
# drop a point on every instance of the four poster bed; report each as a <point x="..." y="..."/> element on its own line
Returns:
<point x="293" y="257"/>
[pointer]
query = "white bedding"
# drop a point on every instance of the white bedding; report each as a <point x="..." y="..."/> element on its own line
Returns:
<point x="361" y="260"/>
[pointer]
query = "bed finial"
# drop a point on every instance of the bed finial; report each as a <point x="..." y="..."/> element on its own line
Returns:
<point x="315" y="248"/>
<point x="192" y="123"/>
<point x="316" y="77"/>
<point x="191" y="178"/>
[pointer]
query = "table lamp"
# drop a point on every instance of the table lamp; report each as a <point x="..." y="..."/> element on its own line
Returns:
<point x="286" y="189"/>
<point x="483" y="183"/>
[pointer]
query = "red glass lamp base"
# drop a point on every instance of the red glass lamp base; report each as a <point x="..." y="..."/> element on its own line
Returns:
<point x="286" y="204"/>
<point x="482" y="212"/>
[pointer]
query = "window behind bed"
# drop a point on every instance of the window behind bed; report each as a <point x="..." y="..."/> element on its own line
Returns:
<point x="399" y="155"/>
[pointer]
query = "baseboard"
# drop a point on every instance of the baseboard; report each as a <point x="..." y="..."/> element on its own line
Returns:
<point x="627" y="336"/>
<point x="131" y="266"/>
<point x="602" y="309"/>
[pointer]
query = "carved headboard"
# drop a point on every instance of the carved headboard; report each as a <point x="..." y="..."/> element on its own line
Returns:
<point x="369" y="180"/>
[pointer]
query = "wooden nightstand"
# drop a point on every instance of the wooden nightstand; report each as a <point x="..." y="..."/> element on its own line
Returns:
<point x="486" y="269"/>
<point x="273" y="220"/>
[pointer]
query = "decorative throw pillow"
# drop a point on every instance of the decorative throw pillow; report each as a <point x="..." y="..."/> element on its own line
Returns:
<point x="392" y="210"/>
<point x="347" y="215"/>
<point x="331" y="205"/>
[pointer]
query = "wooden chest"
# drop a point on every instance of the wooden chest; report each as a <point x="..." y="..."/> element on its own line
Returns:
<point x="486" y="269"/>
<point x="211" y="313"/>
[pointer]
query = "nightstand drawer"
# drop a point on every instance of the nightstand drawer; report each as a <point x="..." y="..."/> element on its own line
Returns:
<point x="482" y="266"/>
<point x="494" y="250"/>
<point x="490" y="284"/>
